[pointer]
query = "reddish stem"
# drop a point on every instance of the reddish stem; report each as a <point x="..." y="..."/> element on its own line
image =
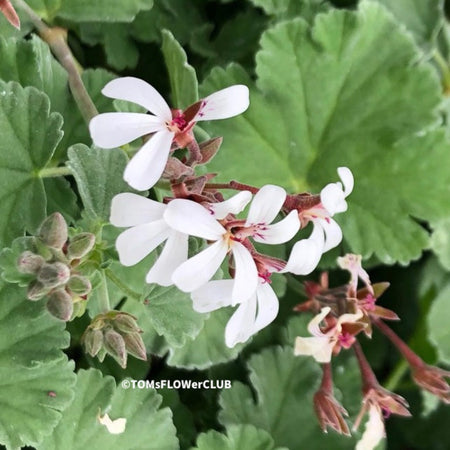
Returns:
<point x="413" y="359"/>
<point x="369" y="379"/>
<point x="232" y="185"/>
<point x="327" y="379"/>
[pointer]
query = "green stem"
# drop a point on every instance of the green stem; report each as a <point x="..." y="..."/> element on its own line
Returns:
<point x="51" y="172"/>
<point x="443" y="65"/>
<point x="104" y="295"/>
<point x="123" y="287"/>
<point x="396" y="376"/>
<point x="56" y="39"/>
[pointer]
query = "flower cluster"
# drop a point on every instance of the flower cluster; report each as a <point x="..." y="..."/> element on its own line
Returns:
<point x="342" y="314"/>
<point x="51" y="265"/>
<point x="198" y="209"/>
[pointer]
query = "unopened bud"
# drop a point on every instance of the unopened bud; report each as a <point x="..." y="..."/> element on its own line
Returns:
<point x="209" y="149"/>
<point x="53" y="275"/>
<point x="36" y="290"/>
<point x="126" y="323"/>
<point x="53" y="231"/>
<point x="135" y="345"/>
<point x="79" y="285"/>
<point x="115" y="346"/>
<point x="80" y="245"/>
<point x="60" y="305"/>
<point x="79" y="307"/>
<point x="101" y="354"/>
<point x="93" y="341"/>
<point x="28" y="262"/>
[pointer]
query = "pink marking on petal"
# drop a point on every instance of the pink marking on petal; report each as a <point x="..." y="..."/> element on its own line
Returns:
<point x="346" y="340"/>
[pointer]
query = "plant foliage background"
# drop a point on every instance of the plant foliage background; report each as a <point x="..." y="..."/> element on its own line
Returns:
<point x="363" y="85"/>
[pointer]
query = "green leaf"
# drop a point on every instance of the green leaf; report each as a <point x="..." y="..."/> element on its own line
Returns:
<point x="287" y="9"/>
<point x="99" y="177"/>
<point x="45" y="8"/>
<point x="422" y="19"/>
<point x="146" y="426"/>
<point x="104" y="10"/>
<point x="284" y="385"/>
<point x="183" y="80"/>
<point x="440" y="242"/>
<point x="61" y="198"/>
<point x="346" y="100"/>
<point x="439" y="331"/>
<point x="36" y="378"/>
<point x="238" y="437"/>
<point x="29" y="129"/>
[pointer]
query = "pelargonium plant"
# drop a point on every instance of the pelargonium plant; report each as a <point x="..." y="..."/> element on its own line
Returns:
<point x="203" y="208"/>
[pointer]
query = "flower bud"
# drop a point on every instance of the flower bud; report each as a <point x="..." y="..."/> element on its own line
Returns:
<point x="79" y="285"/>
<point x="52" y="275"/>
<point x="28" y="262"/>
<point x="60" y="305"/>
<point x="126" y="323"/>
<point x="79" y="307"/>
<point x="36" y="290"/>
<point x="115" y="346"/>
<point x="80" y="245"/>
<point x="135" y="345"/>
<point x="93" y="341"/>
<point x="209" y="149"/>
<point x="53" y="231"/>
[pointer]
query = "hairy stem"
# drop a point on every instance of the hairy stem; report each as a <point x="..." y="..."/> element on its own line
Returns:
<point x="56" y="39"/>
<point x="369" y="380"/>
<point x="51" y="172"/>
<point x="104" y="295"/>
<point x="232" y="185"/>
<point x="123" y="287"/>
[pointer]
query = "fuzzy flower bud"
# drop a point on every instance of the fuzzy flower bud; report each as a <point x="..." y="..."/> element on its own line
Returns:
<point x="53" y="231"/>
<point x="115" y="346"/>
<point x="79" y="285"/>
<point x="60" y="305"/>
<point x="93" y="341"/>
<point x="80" y="245"/>
<point x="36" y="291"/>
<point x="53" y="275"/>
<point x="126" y="323"/>
<point x="30" y="263"/>
<point x="135" y="345"/>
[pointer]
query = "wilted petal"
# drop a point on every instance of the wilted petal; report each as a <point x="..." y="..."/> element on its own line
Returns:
<point x="147" y="165"/>
<point x="192" y="218"/>
<point x="267" y="306"/>
<point x="246" y="274"/>
<point x="175" y="252"/>
<point x="199" y="269"/>
<point x="313" y="326"/>
<point x="234" y="205"/>
<point x="374" y="431"/>
<point x="280" y="232"/>
<point x="140" y="92"/>
<point x="225" y="103"/>
<point x="266" y="205"/>
<point x="212" y="295"/>
<point x="128" y="210"/>
<point x="110" y="130"/>
<point x="136" y="243"/>
<point x="113" y="426"/>
<point x="320" y="348"/>
<point x="240" y="327"/>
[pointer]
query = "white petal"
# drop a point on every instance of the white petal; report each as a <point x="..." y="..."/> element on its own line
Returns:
<point x="110" y="130"/>
<point x="374" y="431"/>
<point x="113" y="426"/>
<point x="139" y="92"/>
<point x="318" y="347"/>
<point x="212" y="295"/>
<point x="240" y="327"/>
<point x="332" y="198"/>
<point x="313" y="325"/>
<point x="267" y="306"/>
<point x="136" y="243"/>
<point x="199" y="269"/>
<point x="128" y="210"/>
<point x="147" y="165"/>
<point x="266" y="205"/>
<point x="333" y="233"/>
<point x="193" y="219"/>
<point x="175" y="253"/>
<point x="304" y="257"/>
<point x="246" y="274"/>
<point x="281" y="232"/>
<point x="346" y="176"/>
<point x="225" y="103"/>
<point x="234" y="205"/>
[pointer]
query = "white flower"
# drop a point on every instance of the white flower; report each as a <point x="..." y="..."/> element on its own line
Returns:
<point x="113" y="426"/>
<point x="111" y="130"/>
<point x="321" y="345"/>
<point x="326" y="234"/>
<point x="251" y="316"/>
<point x="195" y="220"/>
<point x="148" y="230"/>
<point x="374" y="431"/>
